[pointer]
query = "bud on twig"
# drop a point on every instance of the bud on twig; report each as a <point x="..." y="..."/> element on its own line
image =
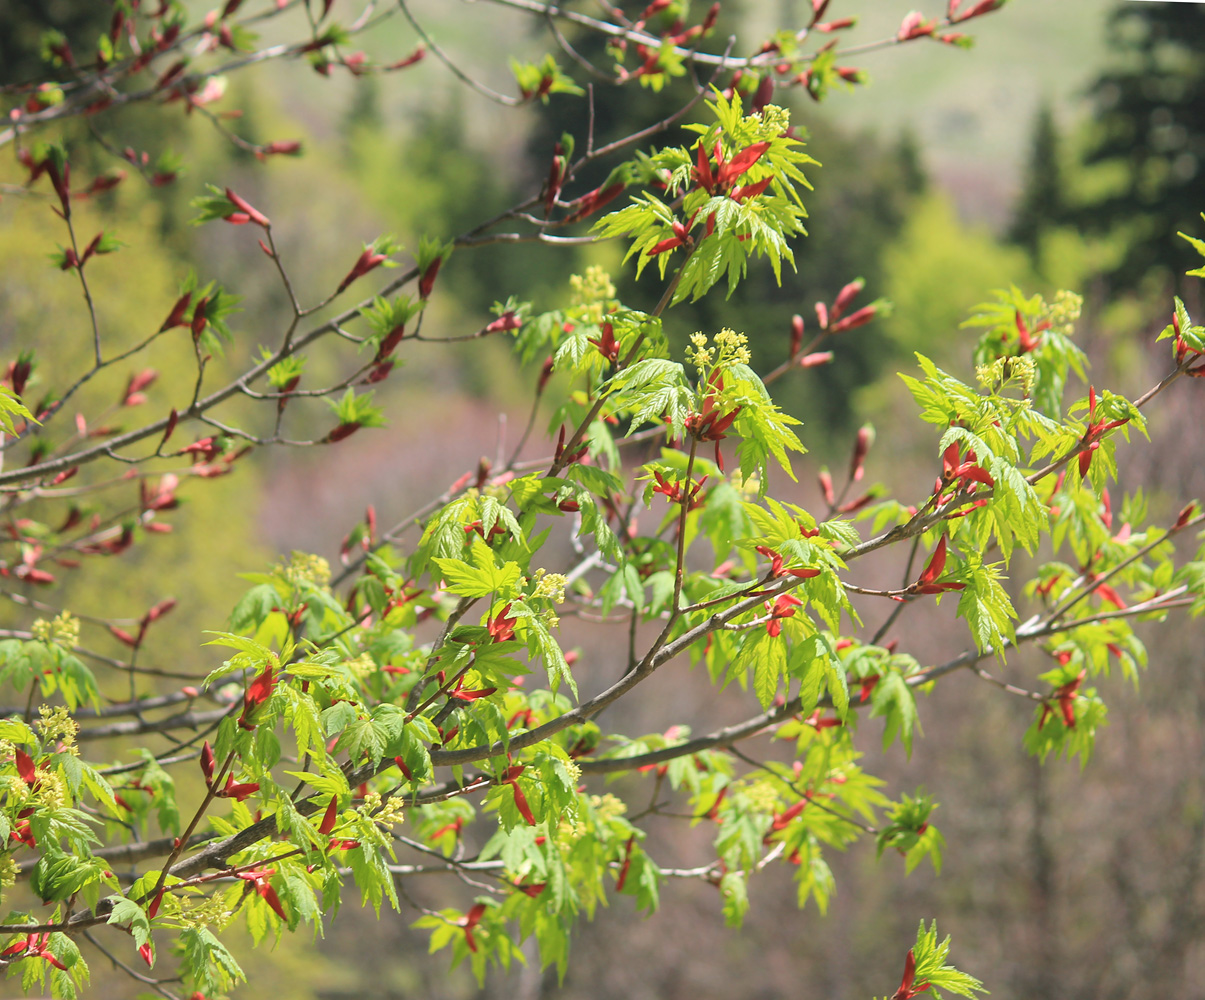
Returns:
<point x="861" y="446"/>
<point x="796" y="334"/>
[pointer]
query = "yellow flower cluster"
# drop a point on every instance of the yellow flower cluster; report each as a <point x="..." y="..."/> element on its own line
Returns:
<point x="730" y="348"/>
<point x="57" y="726"/>
<point x="8" y="871"/>
<point x="1065" y="311"/>
<point x="64" y="630"/>
<point x="306" y="568"/>
<point x="550" y="586"/>
<point x="50" y="790"/>
<point x="733" y="347"/>
<point x="607" y="807"/>
<point x="592" y="290"/>
<point x="390" y="813"/>
<point x="593" y="286"/>
<point x="569" y="831"/>
<point x="362" y="666"/>
<point x="197" y="912"/>
<point x="702" y="355"/>
<point x="777" y="120"/>
<point x="1022" y="369"/>
<point x="762" y="796"/>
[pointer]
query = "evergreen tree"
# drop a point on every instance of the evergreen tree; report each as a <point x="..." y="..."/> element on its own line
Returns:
<point x="23" y="31"/>
<point x="1150" y="121"/>
<point x="1042" y="202"/>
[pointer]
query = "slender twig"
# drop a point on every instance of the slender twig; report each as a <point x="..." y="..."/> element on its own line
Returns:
<point x="447" y="60"/>
<point x="153" y="983"/>
<point x="812" y="799"/>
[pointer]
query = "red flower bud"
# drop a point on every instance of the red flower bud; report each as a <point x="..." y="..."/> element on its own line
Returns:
<point x="796" y="334"/>
<point x="252" y="213"/>
<point x="826" y="487"/>
<point x="427" y="281"/>
<point x="859" y="318"/>
<point x="846" y="296"/>
<point x="198" y="319"/>
<point x="1185" y="516"/>
<point x="286" y="147"/>
<point x="861" y="446"/>
<point x="329" y="817"/>
<point x="815" y="360"/>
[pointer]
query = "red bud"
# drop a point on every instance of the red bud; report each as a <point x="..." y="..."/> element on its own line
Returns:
<point x="252" y="213"/>
<point x="861" y="447"/>
<point x="815" y="360"/>
<point x="796" y="334"/>
<point x="1185" y="516"/>
<point x="846" y="296"/>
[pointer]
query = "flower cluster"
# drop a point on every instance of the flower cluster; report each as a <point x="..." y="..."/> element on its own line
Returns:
<point x="9" y="871"/>
<point x="1065" y="312"/>
<point x="549" y="586"/>
<point x="305" y="568"/>
<point x="607" y="807"/>
<point x="1023" y="370"/>
<point x="730" y="346"/>
<point x="592" y="290"/>
<point x="387" y="813"/>
<point x="64" y="630"/>
<point x="57" y="726"/>
<point x="362" y="666"/>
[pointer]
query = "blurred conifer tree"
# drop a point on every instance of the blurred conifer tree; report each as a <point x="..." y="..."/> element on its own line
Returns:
<point x="1150" y="125"/>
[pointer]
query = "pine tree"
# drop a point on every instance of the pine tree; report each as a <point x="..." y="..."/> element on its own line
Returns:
<point x="1150" y="121"/>
<point x="1042" y="203"/>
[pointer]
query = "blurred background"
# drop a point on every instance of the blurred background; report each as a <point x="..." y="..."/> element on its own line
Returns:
<point x="1063" y="151"/>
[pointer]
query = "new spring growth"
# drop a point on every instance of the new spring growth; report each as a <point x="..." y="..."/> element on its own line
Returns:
<point x="145" y="622"/>
<point x="33" y="946"/>
<point x="593" y="293"/>
<point x="1022" y="370"/>
<point x="833" y="320"/>
<point x="1095" y="430"/>
<point x="796" y="334"/>
<point x="512" y="778"/>
<point x="245" y="212"/>
<point x="862" y="446"/>
<point x="63" y="630"/>
<point x="304" y="568"/>
<point x="783" y="607"/>
<point x="1065" y="696"/>
<point x="606" y="343"/>
<point x="593" y="201"/>
<point x="469" y="921"/>
<point x="710" y="424"/>
<point x="134" y="395"/>
<point x="549" y="586"/>
<point x="57" y="727"/>
<point x="257" y="692"/>
<point x="954" y="16"/>
<point x="732" y="348"/>
<point x="927" y="584"/>
<point x="375" y="254"/>
<point x="909" y="988"/>
<point x="257" y="881"/>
